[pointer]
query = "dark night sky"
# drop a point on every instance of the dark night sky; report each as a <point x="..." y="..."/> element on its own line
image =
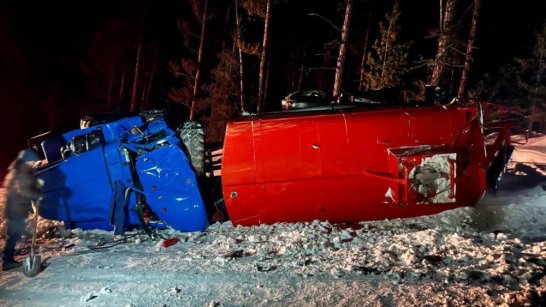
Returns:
<point x="53" y="53"/>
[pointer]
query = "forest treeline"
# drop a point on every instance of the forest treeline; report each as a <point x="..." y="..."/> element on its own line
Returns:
<point x="360" y="46"/>
<point x="212" y="60"/>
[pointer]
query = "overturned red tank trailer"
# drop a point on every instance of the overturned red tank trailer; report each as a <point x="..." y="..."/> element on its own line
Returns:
<point x="336" y="162"/>
<point x="349" y="163"/>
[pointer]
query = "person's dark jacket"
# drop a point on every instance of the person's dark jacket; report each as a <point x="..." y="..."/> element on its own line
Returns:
<point x="22" y="188"/>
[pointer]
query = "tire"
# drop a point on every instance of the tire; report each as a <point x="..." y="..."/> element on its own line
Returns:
<point x="192" y="135"/>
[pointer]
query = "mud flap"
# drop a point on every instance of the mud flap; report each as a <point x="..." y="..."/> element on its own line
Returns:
<point x="475" y="181"/>
<point x="498" y="154"/>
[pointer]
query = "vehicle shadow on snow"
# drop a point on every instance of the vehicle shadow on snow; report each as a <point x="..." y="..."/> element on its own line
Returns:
<point x="517" y="208"/>
<point x="522" y="177"/>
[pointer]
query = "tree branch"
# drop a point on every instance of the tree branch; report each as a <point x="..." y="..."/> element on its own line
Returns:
<point x="321" y="68"/>
<point x="327" y="20"/>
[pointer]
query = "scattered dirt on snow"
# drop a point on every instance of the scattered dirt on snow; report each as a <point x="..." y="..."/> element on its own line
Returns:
<point x="494" y="254"/>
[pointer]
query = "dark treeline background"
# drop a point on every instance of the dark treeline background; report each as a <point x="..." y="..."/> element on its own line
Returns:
<point x="61" y="60"/>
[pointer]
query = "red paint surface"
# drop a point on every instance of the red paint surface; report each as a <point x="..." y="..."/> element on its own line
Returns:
<point x="169" y="242"/>
<point x="339" y="165"/>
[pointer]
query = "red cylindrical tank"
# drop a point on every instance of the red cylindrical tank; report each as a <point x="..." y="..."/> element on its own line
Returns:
<point x="352" y="164"/>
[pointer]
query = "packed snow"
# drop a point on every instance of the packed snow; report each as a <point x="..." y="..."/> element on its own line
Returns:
<point x="493" y="254"/>
<point x="432" y="177"/>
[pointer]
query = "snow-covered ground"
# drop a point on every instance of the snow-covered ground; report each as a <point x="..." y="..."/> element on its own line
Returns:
<point x="493" y="254"/>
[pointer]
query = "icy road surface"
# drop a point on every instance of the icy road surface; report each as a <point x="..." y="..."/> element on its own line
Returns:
<point x="493" y="254"/>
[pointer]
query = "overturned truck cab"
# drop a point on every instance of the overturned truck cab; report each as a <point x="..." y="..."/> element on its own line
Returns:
<point x="347" y="163"/>
<point x="117" y="175"/>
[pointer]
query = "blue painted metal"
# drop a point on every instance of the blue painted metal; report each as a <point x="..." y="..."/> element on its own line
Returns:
<point x="172" y="190"/>
<point x="80" y="187"/>
<point x="77" y="189"/>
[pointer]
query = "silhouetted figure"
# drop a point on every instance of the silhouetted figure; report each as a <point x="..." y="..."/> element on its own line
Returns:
<point x="21" y="189"/>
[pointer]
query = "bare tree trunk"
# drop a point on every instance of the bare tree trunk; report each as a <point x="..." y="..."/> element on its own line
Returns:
<point x="443" y="40"/>
<point x="452" y="81"/>
<point x="363" y="62"/>
<point x="302" y="68"/>
<point x="121" y="89"/>
<point x="146" y="95"/>
<point x="388" y="41"/>
<point x="342" y="50"/>
<point x="142" y="98"/>
<point x="227" y="24"/>
<point x="133" y="107"/>
<point x="266" y="86"/>
<point x="241" y="63"/>
<point x="199" y="60"/>
<point x="261" y="96"/>
<point x="469" y="49"/>
<point x="292" y="80"/>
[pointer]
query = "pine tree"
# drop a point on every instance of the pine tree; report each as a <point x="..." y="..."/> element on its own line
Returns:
<point x="444" y="41"/>
<point x="469" y="48"/>
<point x="364" y="59"/>
<point x="223" y="96"/>
<point x="190" y="69"/>
<point x="134" y="106"/>
<point x="521" y="85"/>
<point x="262" y="9"/>
<point x="388" y="59"/>
<point x="340" y="64"/>
<point x="237" y="41"/>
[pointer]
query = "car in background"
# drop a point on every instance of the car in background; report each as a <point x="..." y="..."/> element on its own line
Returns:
<point x="378" y="97"/>
<point x="311" y="99"/>
<point x="305" y="99"/>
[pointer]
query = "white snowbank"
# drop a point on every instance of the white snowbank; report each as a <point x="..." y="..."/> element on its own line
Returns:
<point x="530" y="152"/>
<point x="489" y="255"/>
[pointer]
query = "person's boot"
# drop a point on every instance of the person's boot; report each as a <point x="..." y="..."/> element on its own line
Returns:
<point x="8" y="260"/>
<point x="8" y="265"/>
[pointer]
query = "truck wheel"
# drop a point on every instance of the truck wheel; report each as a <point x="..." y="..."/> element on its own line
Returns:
<point x="192" y="135"/>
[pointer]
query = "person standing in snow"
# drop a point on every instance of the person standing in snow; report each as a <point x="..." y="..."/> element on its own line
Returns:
<point x="21" y="189"/>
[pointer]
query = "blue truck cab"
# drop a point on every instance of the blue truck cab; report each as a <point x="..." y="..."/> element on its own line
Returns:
<point x="119" y="175"/>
